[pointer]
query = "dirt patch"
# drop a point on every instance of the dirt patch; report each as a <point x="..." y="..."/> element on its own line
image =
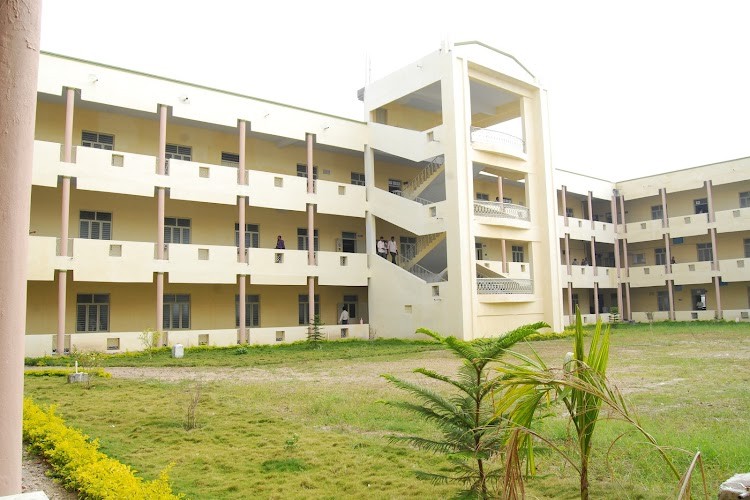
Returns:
<point x="34" y="478"/>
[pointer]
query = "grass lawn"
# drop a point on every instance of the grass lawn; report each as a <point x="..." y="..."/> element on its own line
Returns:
<point x="290" y="422"/>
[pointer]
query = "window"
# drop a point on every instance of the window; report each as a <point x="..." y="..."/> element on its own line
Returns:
<point x="705" y="252"/>
<point x="678" y="241"/>
<point x="179" y="152"/>
<point x="608" y="217"/>
<point x="97" y="140"/>
<point x="660" y="255"/>
<point x="304" y="309"/>
<point x="176" y="312"/>
<point x="478" y="248"/>
<point x="351" y="302"/>
<point x="381" y="115"/>
<point x="639" y="258"/>
<point x="517" y="252"/>
<point x="483" y="196"/>
<point x="302" y="239"/>
<point x="662" y="301"/>
<point x="252" y="235"/>
<point x="657" y="212"/>
<point x="95" y="225"/>
<point x="575" y="301"/>
<point x="569" y="212"/>
<point x="230" y="159"/>
<point x="176" y="230"/>
<point x="394" y="186"/>
<point x="358" y="179"/>
<point x="701" y="206"/>
<point x="348" y="242"/>
<point x="745" y="199"/>
<point x="92" y="312"/>
<point x="747" y="248"/>
<point x="302" y="171"/>
<point x="252" y="310"/>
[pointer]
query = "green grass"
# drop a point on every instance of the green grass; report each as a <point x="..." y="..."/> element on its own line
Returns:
<point x="687" y="381"/>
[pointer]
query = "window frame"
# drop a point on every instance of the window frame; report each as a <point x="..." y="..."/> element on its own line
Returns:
<point x="179" y="229"/>
<point x="181" y="303"/>
<point x="303" y="306"/>
<point x="252" y="311"/>
<point x="101" y="220"/>
<point x="180" y="152"/>
<point x="97" y="143"/>
<point x="517" y="252"/>
<point x="705" y="250"/>
<point x="358" y="178"/>
<point x="252" y="235"/>
<point x="95" y="306"/>
<point x="302" y="171"/>
<point x="302" y="243"/>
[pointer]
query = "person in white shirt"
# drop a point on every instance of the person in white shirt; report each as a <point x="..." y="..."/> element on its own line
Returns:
<point x="382" y="248"/>
<point x="392" y="249"/>
<point x="344" y="318"/>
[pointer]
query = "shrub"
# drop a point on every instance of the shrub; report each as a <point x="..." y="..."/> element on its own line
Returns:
<point x="79" y="464"/>
<point x="64" y="372"/>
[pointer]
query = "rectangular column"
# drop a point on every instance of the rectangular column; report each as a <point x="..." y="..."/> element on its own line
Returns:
<point x="243" y="337"/>
<point x="717" y="290"/>
<point x="160" y="207"/>
<point x="564" y="195"/>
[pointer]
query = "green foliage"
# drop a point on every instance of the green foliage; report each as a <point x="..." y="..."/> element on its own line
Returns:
<point x="80" y="466"/>
<point x="88" y="361"/>
<point x="241" y="350"/>
<point x="583" y="388"/>
<point x="284" y="465"/>
<point x="291" y="442"/>
<point x="150" y="340"/>
<point x="64" y="372"/>
<point x="472" y="433"/>
<point x="315" y="335"/>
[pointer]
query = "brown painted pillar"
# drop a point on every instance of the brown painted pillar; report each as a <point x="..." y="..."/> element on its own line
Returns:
<point x="567" y="253"/>
<point x="668" y="249"/>
<point x="310" y="229"/>
<point x="241" y="206"/>
<point x="622" y="214"/>
<point x="500" y="195"/>
<point x="670" y="291"/>
<point x="613" y="205"/>
<point x="627" y="301"/>
<point x="19" y="60"/>
<point x="591" y="209"/>
<point x="593" y="256"/>
<point x="504" y="254"/>
<point x="596" y="299"/>
<point x="717" y="289"/>
<point x="243" y="337"/>
<point x="710" y="199"/>
<point x="664" y="216"/>
<point x="564" y="195"/>
<point x="160" y="207"/>
<point x="571" y="311"/>
<point x="62" y="276"/>
<point x="714" y="250"/>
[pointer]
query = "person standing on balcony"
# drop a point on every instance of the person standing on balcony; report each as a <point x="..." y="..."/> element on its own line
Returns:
<point x="383" y="248"/>
<point x="280" y="243"/>
<point x="392" y="249"/>
<point x="344" y="318"/>
<point x="575" y="262"/>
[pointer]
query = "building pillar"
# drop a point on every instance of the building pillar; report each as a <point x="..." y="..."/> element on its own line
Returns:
<point x="714" y="250"/>
<point x="160" y="207"/>
<point x="243" y="337"/>
<point x="504" y="255"/>
<point x="310" y="228"/>
<point x="670" y="291"/>
<point x="593" y="256"/>
<point x="591" y="209"/>
<point x="567" y="253"/>
<point x="627" y="301"/>
<point x="571" y="309"/>
<point x="596" y="300"/>
<point x="717" y="289"/>
<point x="62" y="276"/>
<point x="622" y="214"/>
<point x="668" y="254"/>
<point x="19" y="60"/>
<point x="564" y="195"/>
<point x="500" y="195"/>
<point x="664" y="217"/>
<point x="613" y="205"/>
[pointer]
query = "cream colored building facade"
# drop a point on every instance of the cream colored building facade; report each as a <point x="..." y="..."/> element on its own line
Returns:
<point x="673" y="246"/>
<point x="158" y="204"/>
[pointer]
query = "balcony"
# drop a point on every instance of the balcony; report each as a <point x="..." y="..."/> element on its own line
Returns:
<point x="688" y="225"/>
<point x="268" y="266"/>
<point x="193" y="181"/>
<point x="43" y="258"/>
<point x="344" y="269"/>
<point x="504" y="214"/>
<point x="277" y="191"/>
<point x="735" y="269"/>
<point x="115" y="172"/>
<point x="494" y="141"/>
<point x="733" y="220"/>
<point x="643" y="276"/>
<point x="692" y="273"/>
<point x="113" y="261"/>
<point x="584" y="229"/>
<point x="582" y="276"/>
<point x="340" y="199"/>
<point x="648" y="230"/>
<point x="504" y="286"/>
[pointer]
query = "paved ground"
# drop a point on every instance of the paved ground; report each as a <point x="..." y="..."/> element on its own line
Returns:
<point x="33" y="478"/>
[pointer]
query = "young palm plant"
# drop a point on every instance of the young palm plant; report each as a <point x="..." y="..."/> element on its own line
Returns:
<point x="472" y="434"/>
<point x="583" y="388"/>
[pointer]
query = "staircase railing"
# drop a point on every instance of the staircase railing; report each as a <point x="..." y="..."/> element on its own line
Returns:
<point x="426" y="275"/>
<point x="503" y="286"/>
<point x="500" y="209"/>
<point x="426" y="173"/>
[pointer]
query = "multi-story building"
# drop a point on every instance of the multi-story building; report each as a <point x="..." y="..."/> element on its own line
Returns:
<point x="158" y="204"/>
<point x="672" y="246"/>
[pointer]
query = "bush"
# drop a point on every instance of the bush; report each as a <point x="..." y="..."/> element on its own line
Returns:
<point x="80" y="465"/>
<point x="64" y="372"/>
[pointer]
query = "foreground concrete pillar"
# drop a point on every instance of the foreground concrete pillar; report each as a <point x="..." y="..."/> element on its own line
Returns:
<point x="62" y="276"/>
<point x="19" y="59"/>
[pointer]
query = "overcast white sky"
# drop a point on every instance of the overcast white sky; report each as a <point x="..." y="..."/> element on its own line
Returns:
<point x="636" y="87"/>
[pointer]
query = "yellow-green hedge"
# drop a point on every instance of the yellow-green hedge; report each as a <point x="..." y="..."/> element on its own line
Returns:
<point x="79" y="463"/>
<point x="64" y="372"/>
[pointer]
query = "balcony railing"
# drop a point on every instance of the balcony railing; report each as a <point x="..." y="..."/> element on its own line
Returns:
<point x="416" y="198"/>
<point x="488" y="136"/>
<point x="499" y="209"/>
<point x="503" y="286"/>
